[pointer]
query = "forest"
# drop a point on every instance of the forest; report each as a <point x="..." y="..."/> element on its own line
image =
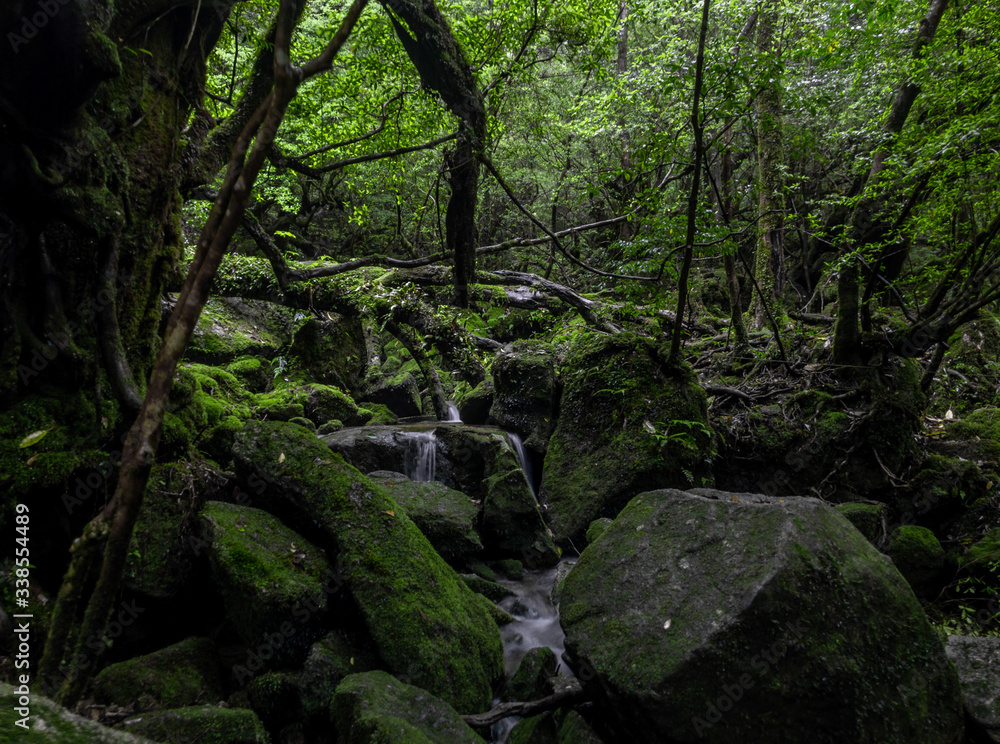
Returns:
<point x="532" y="372"/>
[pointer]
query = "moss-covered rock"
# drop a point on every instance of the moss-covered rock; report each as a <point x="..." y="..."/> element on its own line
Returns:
<point x="206" y="407"/>
<point x="399" y="391"/>
<point x="477" y="461"/>
<point x="474" y="404"/>
<point x="597" y="528"/>
<point x="526" y="392"/>
<point x="182" y="674"/>
<point x="254" y="373"/>
<point x="919" y="557"/>
<point x="49" y="723"/>
<point x="426" y="623"/>
<point x="229" y="328"/>
<point x="445" y="516"/>
<point x="377" y="707"/>
<point x="489" y="589"/>
<point x="704" y="614"/>
<point x="332" y="352"/>
<point x="981" y="430"/>
<point x="868" y="519"/>
<point x="272" y="579"/>
<point x="160" y="556"/>
<point x="531" y="679"/>
<point x="511" y="568"/>
<point x="200" y="725"/>
<point x="573" y="729"/>
<point x="319" y="403"/>
<point x="977" y="661"/>
<point x="618" y="393"/>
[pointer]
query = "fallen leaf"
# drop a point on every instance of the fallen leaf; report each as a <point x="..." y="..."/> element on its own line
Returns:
<point x="390" y="513"/>
<point x="31" y="460"/>
<point x="34" y="438"/>
<point x="281" y="458"/>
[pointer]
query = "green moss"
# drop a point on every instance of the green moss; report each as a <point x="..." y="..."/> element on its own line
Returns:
<point x="426" y="623"/>
<point x="602" y="452"/>
<point x="981" y="426"/>
<point x="272" y="579"/>
<point x="540" y="729"/>
<point x="868" y="519"/>
<point x="200" y="725"/>
<point x="531" y="679"/>
<point x="53" y="724"/>
<point x="376" y="708"/>
<point x="380" y="414"/>
<point x="597" y="528"/>
<point x="182" y="674"/>
<point x="919" y="557"/>
<point x="511" y="568"/>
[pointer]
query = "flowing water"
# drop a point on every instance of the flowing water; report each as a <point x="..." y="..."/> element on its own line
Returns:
<point x="522" y="455"/>
<point x="536" y="624"/>
<point x="453" y="414"/>
<point x="421" y="455"/>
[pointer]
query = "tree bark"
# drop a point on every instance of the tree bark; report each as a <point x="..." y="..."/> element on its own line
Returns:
<point x="441" y="62"/>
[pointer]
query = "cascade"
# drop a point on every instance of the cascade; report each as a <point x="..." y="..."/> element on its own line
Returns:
<point x="420" y="457"/>
<point x="522" y="455"/>
<point x="453" y="414"/>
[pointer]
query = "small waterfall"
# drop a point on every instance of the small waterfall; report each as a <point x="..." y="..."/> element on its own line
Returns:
<point x="453" y="414"/>
<point x="522" y="455"/>
<point x="421" y="454"/>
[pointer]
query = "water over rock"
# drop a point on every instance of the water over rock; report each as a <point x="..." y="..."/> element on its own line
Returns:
<point x="526" y="392"/>
<point x="480" y="462"/>
<point x="723" y="617"/>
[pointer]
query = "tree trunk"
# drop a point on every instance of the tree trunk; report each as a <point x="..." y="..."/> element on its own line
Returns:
<point x="867" y="224"/>
<point x="769" y="262"/>
<point x="441" y="62"/>
<point x="89" y="206"/>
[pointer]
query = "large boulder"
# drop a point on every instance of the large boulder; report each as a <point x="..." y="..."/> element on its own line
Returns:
<point x="49" y="723"/>
<point x="274" y="582"/>
<point x="978" y="661"/>
<point x="331" y="351"/>
<point x="526" y="392"/>
<point x="200" y="724"/>
<point x="628" y="422"/>
<point x="426" y="623"/>
<point x="182" y="674"/>
<point x="722" y="617"/>
<point x="377" y="707"/>
<point x="446" y="517"/>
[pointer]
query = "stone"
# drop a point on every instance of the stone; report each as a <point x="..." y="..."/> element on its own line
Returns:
<point x="977" y="661"/>
<point x="723" y="617"/>
<point x="618" y="396"/>
<point x="377" y="707"/>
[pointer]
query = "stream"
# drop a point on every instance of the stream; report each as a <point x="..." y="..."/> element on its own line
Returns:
<point x="536" y="624"/>
<point x="536" y="616"/>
